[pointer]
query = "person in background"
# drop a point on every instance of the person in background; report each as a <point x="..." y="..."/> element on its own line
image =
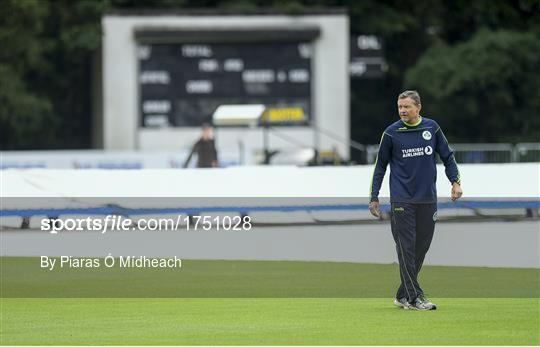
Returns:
<point x="205" y="148"/>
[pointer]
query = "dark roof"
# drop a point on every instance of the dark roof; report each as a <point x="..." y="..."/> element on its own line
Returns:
<point x="247" y="35"/>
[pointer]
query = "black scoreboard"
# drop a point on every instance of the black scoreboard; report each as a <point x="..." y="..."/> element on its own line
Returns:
<point x="182" y="84"/>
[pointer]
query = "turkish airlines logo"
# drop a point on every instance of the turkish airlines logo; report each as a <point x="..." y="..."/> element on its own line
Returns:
<point x="416" y="152"/>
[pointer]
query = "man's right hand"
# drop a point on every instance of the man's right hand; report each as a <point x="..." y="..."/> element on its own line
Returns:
<point x="374" y="209"/>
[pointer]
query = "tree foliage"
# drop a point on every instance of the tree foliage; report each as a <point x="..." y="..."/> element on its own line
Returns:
<point x="484" y="89"/>
<point x="23" y="113"/>
<point x="45" y="64"/>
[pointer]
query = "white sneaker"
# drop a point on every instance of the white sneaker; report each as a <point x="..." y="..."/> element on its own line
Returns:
<point x="423" y="304"/>
<point x="402" y="303"/>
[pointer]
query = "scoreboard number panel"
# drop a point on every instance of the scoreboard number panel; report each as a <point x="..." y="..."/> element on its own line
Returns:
<point x="182" y="84"/>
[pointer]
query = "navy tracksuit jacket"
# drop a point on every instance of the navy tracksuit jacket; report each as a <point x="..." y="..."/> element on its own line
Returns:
<point x="410" y="150"/>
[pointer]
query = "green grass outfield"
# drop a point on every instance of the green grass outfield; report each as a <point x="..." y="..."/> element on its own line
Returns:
<point x="318" y="321"/>
<point x="263" y="303"/>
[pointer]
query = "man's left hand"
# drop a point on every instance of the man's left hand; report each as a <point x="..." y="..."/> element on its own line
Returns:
<point x="456" y="191"/>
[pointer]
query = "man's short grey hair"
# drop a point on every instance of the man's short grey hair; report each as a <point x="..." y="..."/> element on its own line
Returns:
<point x="413" y="94"/>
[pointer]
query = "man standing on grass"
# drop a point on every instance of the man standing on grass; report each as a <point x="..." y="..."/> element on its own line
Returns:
<point x="409" y="145"/>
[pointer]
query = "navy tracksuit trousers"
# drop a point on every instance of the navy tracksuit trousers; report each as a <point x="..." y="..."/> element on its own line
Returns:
<point x="412" y="227"/>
